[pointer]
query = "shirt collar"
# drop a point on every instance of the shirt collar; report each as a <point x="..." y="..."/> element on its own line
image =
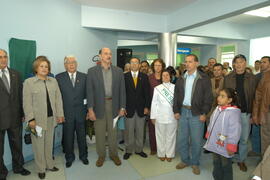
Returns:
<point x="136" y="73"/>
<point x="191" y="75"/>
<point x="74" y="74"/>
<point x="221" y="108"/>
<point x="5" y="69"/>
<point x="37" y="79"/>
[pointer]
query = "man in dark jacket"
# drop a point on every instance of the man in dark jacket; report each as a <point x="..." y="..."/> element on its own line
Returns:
<point x="245" y="85"/>
<point x="137" y="106"/>
<point x="193" y="99"/>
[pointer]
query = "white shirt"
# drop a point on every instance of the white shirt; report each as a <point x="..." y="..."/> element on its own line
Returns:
<point x="134" y="74"/>
<point x="74" y="75"/>
<point x="7" y="75"/>
<point x="161" y="109"/>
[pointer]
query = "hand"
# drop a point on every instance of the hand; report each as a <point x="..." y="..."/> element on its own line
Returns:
<point x="153" y="121"/>
<point x="91" y="115"/>
<point x="230" y="152"/>
<point x="122" y="112"/>
<point x="202" y="118"/>
<point x="146" y="111"/>
<point x="60" y="120"/>
<point x="177" y="116"/>
<point x="32" y="124"/>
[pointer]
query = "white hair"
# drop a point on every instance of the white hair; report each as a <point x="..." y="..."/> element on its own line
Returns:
<point x="69" y="56"/>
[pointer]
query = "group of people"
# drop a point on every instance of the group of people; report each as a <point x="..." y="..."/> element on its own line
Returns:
<point x="189" y="103"/>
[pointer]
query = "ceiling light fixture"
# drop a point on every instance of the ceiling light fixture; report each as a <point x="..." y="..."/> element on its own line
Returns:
<point x="262" y="12"/>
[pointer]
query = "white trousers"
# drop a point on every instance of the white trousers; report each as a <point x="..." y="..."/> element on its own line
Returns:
<point x="166" y="139"/>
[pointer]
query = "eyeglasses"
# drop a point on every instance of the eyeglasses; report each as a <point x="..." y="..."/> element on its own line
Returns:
<point x="3" y="57"/>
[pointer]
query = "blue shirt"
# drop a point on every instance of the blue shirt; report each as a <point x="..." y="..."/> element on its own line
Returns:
<point x="188" y="87"/>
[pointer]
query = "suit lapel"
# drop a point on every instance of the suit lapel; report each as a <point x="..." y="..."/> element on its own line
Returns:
<point x="68" y="80"/>
<point x="3" y="86"/>
<point x="139" y="80"/>
<point x="131" y="80"/>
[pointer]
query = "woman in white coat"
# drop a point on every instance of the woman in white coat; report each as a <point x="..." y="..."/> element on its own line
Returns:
<point x="163" y="118"/>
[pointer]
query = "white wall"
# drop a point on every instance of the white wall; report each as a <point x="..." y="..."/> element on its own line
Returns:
<point x="56" y="27"/>
<point x="259" y="48"/>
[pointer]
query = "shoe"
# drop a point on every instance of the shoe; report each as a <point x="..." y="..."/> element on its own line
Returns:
<point x="253" y="154"/>
<point x="126" y="156"/>
<point x="100" y="161"/>
<point x="41" y="175"/>
<point x="116" y="160"/>
<point x="85" y="161"/>
<point x="54" y="169"/>
<point x="169" y="159"/>
<point x="68" y="164"/>
<point x="196" y="170"/>
<point x="142" y="154"/>
<point x="181" y="165"/>
<point x="162" y="158"/>
<point x="153" y="152"/>
<point x="23" y="172"/>
<point x="242" y="166"/>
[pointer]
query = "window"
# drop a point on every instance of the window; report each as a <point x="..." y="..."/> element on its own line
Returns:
<point x="227" y="53"/>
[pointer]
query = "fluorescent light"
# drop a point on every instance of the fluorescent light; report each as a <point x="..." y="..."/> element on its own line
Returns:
<point x="262" y="12"/>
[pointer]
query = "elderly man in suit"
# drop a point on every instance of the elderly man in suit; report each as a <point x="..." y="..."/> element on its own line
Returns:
<point x="106" y="99"/>
<point x="11" y="115"/>
<point x="72" y="85"/>
<point x="137" y="106"/>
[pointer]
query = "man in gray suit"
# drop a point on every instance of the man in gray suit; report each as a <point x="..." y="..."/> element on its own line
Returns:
<point x="11" y="115"/>
<point x="106" y="97"/>
<point x="72" y="85"/>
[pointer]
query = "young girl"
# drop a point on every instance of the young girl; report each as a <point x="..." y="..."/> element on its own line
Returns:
<point x="223" y="134"/>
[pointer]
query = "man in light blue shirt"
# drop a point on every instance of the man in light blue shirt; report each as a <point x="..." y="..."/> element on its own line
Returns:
<point x="193" y="99"/>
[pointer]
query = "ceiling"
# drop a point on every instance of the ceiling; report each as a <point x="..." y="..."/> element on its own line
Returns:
<point x="247" y="19"/>
<point x="146" y="6"/>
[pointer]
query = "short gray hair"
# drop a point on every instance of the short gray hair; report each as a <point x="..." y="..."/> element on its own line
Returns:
<point x="69" y="56"/>
<point x="4" y="51"/>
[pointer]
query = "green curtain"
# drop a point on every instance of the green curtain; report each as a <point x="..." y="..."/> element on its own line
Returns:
<point x="22" y="53"/>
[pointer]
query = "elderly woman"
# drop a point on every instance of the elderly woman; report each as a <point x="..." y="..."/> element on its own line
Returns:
<point x="42" y="104"/>
<point x="163" y="117"/>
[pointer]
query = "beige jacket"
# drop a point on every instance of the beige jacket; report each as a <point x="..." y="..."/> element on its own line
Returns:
<point x="263" y="169"/>
<point x="35" y="102"/>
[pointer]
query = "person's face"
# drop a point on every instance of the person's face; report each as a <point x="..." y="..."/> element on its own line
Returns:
<point x="166" y="77"/>
<point x="106" y="56"/>
<point x="240" y="65"/>
<point x="71" y="65"/>
<point x="127" y="67"/>
<point x="191" y="64"/>
<point x="225" y="71"/>
<point x="257" y="65"/>
<point x="144" y="67"/>
<point x="134" y="64"/>
<point x="211" y="63"/>
<point x="226" y="65"/>
<point x="265" y="64"/>
<point x="43" y="69"/>
<point x="223" y="99"/>
<point x="3" y="60"/>
<point x="157" y="67"/>
<point x="217" y="71"/>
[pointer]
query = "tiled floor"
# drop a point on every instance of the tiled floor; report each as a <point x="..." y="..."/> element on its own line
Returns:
<point x="136" y="168"/>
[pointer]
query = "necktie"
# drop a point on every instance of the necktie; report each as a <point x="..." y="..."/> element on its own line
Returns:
<point x="5" y="80"/>
<point x="72" y="79"/>
<point x="135" y="79"/>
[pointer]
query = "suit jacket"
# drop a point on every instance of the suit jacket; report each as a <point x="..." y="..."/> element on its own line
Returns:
<point x="201" y="96"/>
<point x="35" y="102"/>
<point x="137" y="98"/>
<point x="73" y="97"/>
<point x="11" y="112"/>
<point x="96" y="90"/>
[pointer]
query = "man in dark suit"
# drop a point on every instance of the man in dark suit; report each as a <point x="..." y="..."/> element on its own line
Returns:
<point x="11" y="116"/>
<point x="72" y="85"/>
<point x="137" y="106"/>
<point x="106" y="99"/>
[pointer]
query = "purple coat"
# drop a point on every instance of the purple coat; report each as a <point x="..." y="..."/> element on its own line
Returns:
<point x="225" y="121"/>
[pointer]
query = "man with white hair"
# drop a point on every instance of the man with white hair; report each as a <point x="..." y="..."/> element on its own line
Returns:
<point x="72" y="84"/>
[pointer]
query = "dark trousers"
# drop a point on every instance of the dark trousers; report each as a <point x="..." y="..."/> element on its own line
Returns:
<point x="222" y="167"/>
<point x="152" y="136"/>
<point x="15" y="143"/>
<point x="72" y="126"/>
